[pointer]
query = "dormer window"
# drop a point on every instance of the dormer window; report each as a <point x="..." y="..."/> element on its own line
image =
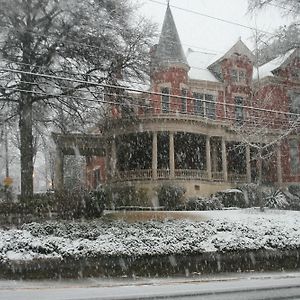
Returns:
<point x="238" y="76"/>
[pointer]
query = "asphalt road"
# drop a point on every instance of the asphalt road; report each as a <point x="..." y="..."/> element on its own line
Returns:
<point x="231" y="286"/>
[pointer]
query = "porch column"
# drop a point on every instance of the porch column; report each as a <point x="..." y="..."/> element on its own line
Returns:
<point x="248" y="165"/>
<point x="171" y="155"/>
<point x="113" y="159"/>
<point x="154" y="155"/>
<point x="224" y="160"/>
<point x="59" y="170"/>
<point x="208" y="157"/>
<point x="279" y="167"/>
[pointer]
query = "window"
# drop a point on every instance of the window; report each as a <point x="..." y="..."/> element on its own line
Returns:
<point x="183" y="100"/>
<point x="198" y="104"/>
<point x="294" y="157"/>
<point x="239" y="110"/>
<point x="294" y="104"/>
<point x="210" y="106"/>
<point x="238" y="75"/>
<point x="165" y="100"/>
<point x="204" y="105"/>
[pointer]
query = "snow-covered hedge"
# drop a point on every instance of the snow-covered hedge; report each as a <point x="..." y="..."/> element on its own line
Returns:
<point x="222" y="231"/>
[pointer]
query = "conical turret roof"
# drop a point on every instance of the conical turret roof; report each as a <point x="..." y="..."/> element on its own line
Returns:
<point x="169" y="51"/>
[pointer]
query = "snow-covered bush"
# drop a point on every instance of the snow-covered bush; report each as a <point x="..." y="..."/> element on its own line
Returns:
<point x="200" y="203"/>
<point x="277" y="200"/>
<point x="232" y="198"/>
<point x="170" y="196"/>
<point x="251" y="194"/>
<point x="292" y="199"/>
<point x="294" y="189"/>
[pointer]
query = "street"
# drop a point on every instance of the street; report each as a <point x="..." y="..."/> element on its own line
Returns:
<point x="229" y="286"/>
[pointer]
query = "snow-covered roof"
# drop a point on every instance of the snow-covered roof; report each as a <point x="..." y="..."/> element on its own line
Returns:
<point x="169" y="49"/>
<point x="267" y="69"/>
<point x="198" y="62"/>
<point x="238" y="48"/>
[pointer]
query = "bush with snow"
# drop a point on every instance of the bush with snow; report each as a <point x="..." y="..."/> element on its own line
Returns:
<point x="277" y="200"/>
<point x="201" y="203"/>
<point x="222" y="231"/>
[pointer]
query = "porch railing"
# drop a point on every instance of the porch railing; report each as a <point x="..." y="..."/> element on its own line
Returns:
<point x="179" y="174"/>
<point x="163" y="173"/>
<point x="237" y="177"/>
<point x="134" y="175"/>
<point x="217" y="176"/>
<point x="190" y="174"/>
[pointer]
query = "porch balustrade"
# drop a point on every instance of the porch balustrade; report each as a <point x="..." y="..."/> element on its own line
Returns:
<point x="163" y="173"/>
<point x="237" y="177"/>
<point x="134" y="175"/>
<point x="179" y="174"/>
<point x="191" y="174"/>
<point x="217" y="176"/>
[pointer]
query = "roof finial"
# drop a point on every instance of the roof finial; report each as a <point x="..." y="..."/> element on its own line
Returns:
<point x="168" y="2"/>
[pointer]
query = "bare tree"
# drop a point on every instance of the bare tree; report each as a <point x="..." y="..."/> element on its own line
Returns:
<point x="285" y="37"/>
<point x="43" y="42"/>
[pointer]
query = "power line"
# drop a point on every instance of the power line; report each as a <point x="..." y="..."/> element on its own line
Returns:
<point x="214" y="18"/>
<point x="86" y="90"/>
<point x="76" y="74"/>
<point x="124" y="88"/>
<point x="130" y="82"/>
<point x="221" y="118"/>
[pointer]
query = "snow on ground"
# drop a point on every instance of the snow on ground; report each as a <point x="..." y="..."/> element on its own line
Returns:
<point x="247" y="229"/>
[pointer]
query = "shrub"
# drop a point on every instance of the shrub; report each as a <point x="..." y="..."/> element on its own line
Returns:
<point x="277" y="200"/>
<point x="251" y="194"/>
<point x="292" y="199"/>
<point x="294" y="189"/>
<point x="122" y="196"/>
<point x="199" y="203"/>
<point x="170" y="196"/>
<point x="232" y="198"/>
<point x="79" y="204"/>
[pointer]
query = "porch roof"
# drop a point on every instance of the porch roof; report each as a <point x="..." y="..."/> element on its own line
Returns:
<point x="80" y="144"/>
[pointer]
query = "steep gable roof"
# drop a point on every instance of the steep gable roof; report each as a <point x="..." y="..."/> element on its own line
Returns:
<point x="169" y="50"/>
<point x="239" y="48"/>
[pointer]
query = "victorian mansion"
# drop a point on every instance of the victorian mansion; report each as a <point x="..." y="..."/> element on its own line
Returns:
<point x="207" y="123"/>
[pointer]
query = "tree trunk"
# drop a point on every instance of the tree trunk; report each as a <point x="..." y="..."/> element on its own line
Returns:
<point x="26" y="148"/>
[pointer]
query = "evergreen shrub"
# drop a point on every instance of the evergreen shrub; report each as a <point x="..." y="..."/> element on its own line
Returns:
<point x="171" y="196"/>
<point x="201" y="203"/>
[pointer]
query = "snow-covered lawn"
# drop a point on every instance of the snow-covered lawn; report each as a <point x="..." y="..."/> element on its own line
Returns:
<point x="192" y="232"/>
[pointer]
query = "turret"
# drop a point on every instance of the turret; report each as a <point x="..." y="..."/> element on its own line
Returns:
<point x="169" y="68"/>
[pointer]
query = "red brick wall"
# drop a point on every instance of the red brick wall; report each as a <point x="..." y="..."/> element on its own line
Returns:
<point x="174" y="77"/>
<point x="93" y="163"/>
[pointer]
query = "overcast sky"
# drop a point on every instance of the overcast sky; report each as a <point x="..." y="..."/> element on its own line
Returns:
<point x="205" y="34"/>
